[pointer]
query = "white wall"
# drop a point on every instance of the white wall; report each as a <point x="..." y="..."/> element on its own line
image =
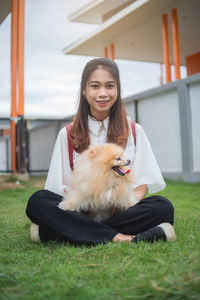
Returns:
<point x="170" y="124"/>
<point x="41" y="145"/>
<point x="159" y="116"/>
<point x="3" y="154"/>
<point x="194" y="92"/>
<point x="130" y="108"/>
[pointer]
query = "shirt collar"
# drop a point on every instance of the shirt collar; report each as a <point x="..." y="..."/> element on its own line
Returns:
<point x="94" y="125"/>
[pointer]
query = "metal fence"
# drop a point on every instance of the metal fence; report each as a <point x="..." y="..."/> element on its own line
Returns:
<point x="40" y="136"/>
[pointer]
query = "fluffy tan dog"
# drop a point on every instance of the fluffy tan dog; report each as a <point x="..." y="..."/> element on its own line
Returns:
<point x="102" y="183"/>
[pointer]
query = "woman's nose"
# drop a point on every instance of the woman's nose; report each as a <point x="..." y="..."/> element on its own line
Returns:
<point x="103" y="92"/>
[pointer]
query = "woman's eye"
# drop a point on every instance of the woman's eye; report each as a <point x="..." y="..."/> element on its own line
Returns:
<point x="94" y="86"/>
<point x="118" y="158"/>
<point x="110" y="86"/>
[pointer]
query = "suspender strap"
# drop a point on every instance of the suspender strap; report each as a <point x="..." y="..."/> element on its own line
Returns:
<point x="70" y="148"/>
<point x="133" y="131"/>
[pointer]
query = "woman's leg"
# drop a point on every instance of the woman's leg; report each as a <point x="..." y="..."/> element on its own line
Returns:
<point x="77" y="229"/>
<point x="146" y="214"/>
<point x="72" y="227"/>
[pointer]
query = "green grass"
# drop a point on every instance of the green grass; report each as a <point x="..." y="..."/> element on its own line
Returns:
<point x="112" y="271"/>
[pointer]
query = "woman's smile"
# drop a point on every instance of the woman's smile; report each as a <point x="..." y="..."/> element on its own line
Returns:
<point x="102" y="103"/>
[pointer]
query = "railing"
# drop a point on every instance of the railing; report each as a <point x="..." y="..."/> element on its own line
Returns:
<point x="41" y="135"/>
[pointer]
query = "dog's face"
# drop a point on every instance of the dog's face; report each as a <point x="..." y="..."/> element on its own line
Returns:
<point x="111" y="157"/>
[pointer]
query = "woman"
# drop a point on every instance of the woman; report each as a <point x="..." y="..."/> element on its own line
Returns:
<point x="101" y="118"/>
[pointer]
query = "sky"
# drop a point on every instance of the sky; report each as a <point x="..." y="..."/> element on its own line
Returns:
<point x="52" y="79"/>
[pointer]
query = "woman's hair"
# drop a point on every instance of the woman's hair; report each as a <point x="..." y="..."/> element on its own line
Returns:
<point x="118" y="129"/>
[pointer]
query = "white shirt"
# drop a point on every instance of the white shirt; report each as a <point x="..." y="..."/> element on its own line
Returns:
<point x="143" y="162"/>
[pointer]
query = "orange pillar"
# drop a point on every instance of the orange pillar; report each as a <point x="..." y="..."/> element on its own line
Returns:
<point x="166" y="47"/>
<point x="14" y="21"/>
<point x="112" y="51"/>
<point x="21" y="8"/>
<point x="20" y="127"/>
<point x="176" y="43"/>
<point x="17" y="82"/>
<point x="106" y="52"/>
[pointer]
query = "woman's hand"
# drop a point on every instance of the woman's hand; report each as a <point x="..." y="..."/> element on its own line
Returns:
<point x="120" y="237"/>
<point x="140" y="191"/>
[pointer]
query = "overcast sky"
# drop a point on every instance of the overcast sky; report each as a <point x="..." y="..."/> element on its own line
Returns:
<point x="52" y="79"/>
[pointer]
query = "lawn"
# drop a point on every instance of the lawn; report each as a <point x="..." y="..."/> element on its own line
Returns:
<point x="112" y="271"/>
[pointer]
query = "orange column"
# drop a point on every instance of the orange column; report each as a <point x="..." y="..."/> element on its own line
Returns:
<point x="166" y="47"/>
<point x="176" y="43"/>
<point x="14" y="21"/>
<point x="106" y="52"/>
<point x="112" y="51"/>
<point x="21" y="8"/>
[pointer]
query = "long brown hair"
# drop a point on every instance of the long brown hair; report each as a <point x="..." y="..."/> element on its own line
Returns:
<point x="118" y="129"/>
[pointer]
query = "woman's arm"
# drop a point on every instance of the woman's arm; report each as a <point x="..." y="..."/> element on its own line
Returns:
<point x="145" y="166"/>
<point x="59" y="172"/>
<point x="140" y="191"/>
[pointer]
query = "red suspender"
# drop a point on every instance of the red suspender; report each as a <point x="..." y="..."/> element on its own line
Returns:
<point x="133" y="131"/>
<point x="70" y="148"/>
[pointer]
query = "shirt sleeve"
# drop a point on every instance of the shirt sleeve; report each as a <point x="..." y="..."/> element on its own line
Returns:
<point x="59" y="174"/>
<point x="145" y="166"/>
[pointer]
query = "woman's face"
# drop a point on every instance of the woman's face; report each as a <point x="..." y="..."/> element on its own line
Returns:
<point x="101" y="93"/>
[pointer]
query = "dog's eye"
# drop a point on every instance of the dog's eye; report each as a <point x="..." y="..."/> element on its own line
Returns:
<point x="118" y="158"/>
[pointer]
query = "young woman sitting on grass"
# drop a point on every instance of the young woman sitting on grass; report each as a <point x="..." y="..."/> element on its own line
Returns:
<point x="101" y="118"/>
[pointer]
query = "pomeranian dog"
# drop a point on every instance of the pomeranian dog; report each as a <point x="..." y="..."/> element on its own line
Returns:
<point x="101" y="183"/>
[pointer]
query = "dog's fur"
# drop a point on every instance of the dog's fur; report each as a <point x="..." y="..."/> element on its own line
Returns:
<point x="96" y="188"/>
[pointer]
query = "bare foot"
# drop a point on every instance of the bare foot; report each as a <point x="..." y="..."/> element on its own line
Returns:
<point x="120" y="237"/>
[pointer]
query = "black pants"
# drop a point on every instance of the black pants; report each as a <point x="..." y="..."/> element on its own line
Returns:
<point x="75" y="228"/>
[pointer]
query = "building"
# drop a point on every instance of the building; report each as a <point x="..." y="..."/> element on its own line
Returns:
<point x="161" y="31"/>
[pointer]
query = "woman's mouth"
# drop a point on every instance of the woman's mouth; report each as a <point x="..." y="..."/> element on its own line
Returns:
<point x="103" y="103"/>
